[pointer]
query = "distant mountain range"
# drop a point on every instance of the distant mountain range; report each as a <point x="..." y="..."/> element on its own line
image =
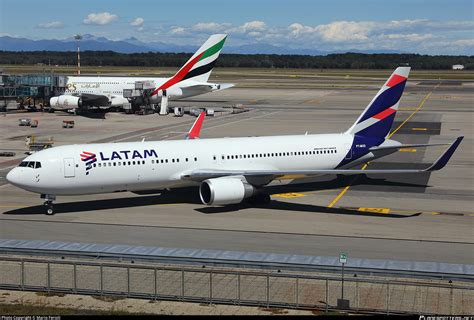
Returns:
<point x="133" y="45"/>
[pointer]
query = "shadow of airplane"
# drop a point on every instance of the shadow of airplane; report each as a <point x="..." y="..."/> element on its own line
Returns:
<point x="191" y="196"/>
<point x="203" y="101"/>
<point x="339" y="182"/>
<point x="300" y="207"/>
<point x="174" y="197"/>
<point x="90" y="115"/>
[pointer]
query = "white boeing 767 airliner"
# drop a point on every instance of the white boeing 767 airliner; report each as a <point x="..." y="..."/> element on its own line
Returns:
<point x="190" y="80"/>
<point x="228" y="170"/>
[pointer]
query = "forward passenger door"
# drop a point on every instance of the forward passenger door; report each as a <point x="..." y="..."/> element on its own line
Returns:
<point x="69" y="168"/>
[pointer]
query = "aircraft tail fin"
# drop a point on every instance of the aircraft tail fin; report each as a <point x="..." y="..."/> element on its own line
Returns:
<point x="377" y="118"/>
<point x="200" y="65"/>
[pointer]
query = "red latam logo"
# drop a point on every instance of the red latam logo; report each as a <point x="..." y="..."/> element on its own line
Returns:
<point x="89" y="158"/>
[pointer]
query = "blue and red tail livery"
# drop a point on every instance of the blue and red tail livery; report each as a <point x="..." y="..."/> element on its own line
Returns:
<point x="195" y="130"/>
<point x="377" y="119"/>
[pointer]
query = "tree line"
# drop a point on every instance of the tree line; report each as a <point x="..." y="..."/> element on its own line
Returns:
<point x="157" y="59"/>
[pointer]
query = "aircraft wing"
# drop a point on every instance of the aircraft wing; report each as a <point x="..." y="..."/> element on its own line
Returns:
<point x="93" y="99"/>
<point x="404" y="146"/>
<point x="268" y="175"/>
<point x="209" y="86"/>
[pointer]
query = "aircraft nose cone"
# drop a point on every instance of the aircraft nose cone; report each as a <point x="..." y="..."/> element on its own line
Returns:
<point x="13" y="176"/>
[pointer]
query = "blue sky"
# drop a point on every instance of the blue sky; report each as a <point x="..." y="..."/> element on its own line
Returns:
<point x="433" y="27"/>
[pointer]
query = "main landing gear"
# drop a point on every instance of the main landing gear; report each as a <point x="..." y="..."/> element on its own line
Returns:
<point x="48" y="204"/>
<point x="260" y="198"/>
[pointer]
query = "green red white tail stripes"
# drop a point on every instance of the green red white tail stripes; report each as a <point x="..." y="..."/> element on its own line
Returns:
<point x="200" y="65"/>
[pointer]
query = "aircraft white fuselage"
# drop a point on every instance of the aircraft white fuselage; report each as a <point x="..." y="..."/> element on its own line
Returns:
<point x="112" y="87"/>
<point x="138" y="166"/>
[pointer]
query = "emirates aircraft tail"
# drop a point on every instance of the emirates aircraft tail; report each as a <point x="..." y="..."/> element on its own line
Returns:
<point x="199" y="67"/>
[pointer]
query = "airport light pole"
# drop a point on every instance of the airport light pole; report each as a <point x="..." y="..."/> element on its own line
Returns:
<point x="78" y="37"/>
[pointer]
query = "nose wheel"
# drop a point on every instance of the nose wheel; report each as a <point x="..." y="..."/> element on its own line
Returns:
<point x="49" y="207"/>
<point x="48" y="204"/>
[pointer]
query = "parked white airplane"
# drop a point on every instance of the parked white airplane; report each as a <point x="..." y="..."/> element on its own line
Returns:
<point x="190" y="80"/>
<point x="228" y="170"/>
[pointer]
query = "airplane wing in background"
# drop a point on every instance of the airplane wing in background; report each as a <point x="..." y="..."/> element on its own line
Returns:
<point x="208" y="86"/>
<point x="93" y="99"/>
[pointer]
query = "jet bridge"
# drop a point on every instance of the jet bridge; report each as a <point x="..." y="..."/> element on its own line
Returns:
<point x="30" y="88"/>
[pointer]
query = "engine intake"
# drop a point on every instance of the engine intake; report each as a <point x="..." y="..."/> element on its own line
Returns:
<point x="222" y="191"/>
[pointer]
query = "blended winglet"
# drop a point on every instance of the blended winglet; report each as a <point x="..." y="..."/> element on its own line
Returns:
<point x="444" y="158"/>
<point x="195" y="130"/>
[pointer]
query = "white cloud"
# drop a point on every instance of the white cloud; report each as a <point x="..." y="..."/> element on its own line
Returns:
<point x="138" y="22"/>
<point x="350" y="31"/>
<point x="210" y="26"/>
<point x="254" y="26"/>
<point x="255" y="34"/>
<point x="178" y="30"/>
<point x="297" y="29"/>
<point x="430" y="25"/>
<point x="102" y="18"/>
<point x="51" y="25"/>
<point x="464" y="42"/>
<point x="415" y="35"/>
<point x="407" y="37"/>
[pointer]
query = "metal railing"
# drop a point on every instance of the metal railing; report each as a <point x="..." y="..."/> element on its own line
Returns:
<point x="239" y="287"/>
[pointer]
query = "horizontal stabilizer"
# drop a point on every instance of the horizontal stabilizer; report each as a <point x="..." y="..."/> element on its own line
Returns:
<point x="223" y="86"/>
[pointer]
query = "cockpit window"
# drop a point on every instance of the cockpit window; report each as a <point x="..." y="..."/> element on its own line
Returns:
<point x="30" y="164"/>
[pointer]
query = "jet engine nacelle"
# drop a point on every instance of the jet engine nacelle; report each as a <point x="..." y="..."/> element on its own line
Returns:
<point x="65" y="102"/>
<point x="118" y="101"/>
<point x="222" y="191"/>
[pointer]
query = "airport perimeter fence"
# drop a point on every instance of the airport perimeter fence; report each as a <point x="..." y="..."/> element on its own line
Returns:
<point x="237" y="287"/>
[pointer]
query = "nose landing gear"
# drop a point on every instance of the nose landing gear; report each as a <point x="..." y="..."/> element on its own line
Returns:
<point x="49" y="207"/>
<point x="49" y="203"/>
